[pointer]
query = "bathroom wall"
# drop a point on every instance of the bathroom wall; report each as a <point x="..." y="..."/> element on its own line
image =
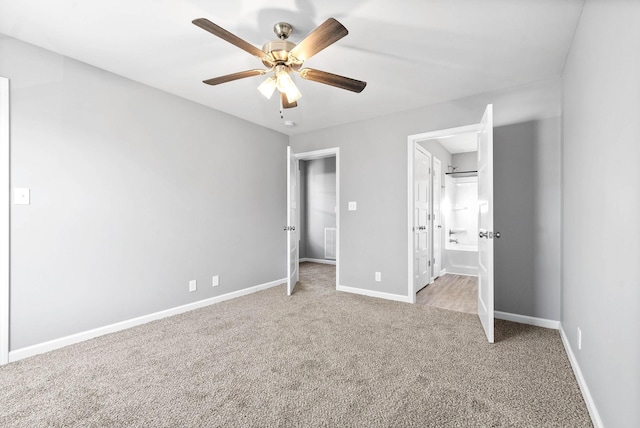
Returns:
<point x="437" y="150"/>
<point x="461" y="225"/>
<point x="461" y="217"/>
<point x="465" y="161"/>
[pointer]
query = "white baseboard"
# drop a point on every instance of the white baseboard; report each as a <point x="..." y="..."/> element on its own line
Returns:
<point x="556" y="325"/>
<point x="40" y="348"/>
<point x="586" y="394"/>
<point x="378" y="294"/>
<point x="524" y="319"/>
<point x="323" y="261"/>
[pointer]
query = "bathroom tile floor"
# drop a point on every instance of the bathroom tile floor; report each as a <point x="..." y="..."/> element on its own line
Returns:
<point x="453" y="292"/>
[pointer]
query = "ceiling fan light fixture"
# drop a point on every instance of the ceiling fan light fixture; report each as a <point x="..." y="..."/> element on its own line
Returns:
<point x="267" y="87"/>
<point x="293" y="94"/>
<point x="285" y="84"/>
<point x="282" y="56"/>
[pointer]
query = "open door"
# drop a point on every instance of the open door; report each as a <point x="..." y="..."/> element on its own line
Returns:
<point x="485" y="222"/>
<point x="437" y="218"/>
<point x="292" y="217"/>
<point x="5" y="250"/>
<point x="421" y="226"/>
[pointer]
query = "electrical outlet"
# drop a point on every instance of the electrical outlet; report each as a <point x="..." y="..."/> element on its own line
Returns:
<point x="193" y="285"/>
<point x="579" y="339"/>
<point x="215" y="281"/>
<point x="378" y="277"/>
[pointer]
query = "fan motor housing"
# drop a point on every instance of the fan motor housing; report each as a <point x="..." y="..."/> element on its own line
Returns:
<point x="278" y="50"/>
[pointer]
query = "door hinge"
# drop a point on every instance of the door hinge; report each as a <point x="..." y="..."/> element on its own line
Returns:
<point x="429" y="263"/>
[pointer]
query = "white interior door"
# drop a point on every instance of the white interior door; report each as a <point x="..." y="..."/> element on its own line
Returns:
<point x="485" y="222"/>
<point x="437" y="220"/>
<point x="5" y="167"/>
<point x="421" y="226"/>
<point x="292" y="218"/>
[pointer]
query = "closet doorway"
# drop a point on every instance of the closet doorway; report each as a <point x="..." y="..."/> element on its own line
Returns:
<point x="319" y="199"/>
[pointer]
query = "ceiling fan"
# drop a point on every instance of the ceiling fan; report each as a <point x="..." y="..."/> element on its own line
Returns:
<point x="283" y="57"/>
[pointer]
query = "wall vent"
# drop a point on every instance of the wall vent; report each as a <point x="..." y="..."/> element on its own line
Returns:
<point x="330" y="243"/>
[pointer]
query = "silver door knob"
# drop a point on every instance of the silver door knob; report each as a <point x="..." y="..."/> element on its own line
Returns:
<point x="496" y="235"/>
<point x="483" y="235"/>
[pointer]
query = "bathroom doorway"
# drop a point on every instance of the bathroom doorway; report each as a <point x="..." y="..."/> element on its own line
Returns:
<point x="465" y="219"/>
<point x="453" y="209"/>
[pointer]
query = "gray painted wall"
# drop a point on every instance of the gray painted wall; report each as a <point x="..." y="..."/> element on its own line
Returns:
<point x="465" y="161"/>
<point x="374" y="174"/>
<point x="134" y="192"/>
<point x="318" y="206"/>
<point x="437" y="150"/>
<point x="601" y="202"/>
<point x="527" y="200"/>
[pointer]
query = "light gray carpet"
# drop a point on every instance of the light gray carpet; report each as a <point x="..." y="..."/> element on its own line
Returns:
<point x="318" y="358"/>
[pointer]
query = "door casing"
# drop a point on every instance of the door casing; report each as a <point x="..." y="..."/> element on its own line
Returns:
<point x="437" y="218"/>
<point x="412" y="142"/>
<point x="320" y="154"/>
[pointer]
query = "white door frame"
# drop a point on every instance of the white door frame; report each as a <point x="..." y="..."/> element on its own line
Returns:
<point x="5" y="222"/>
<point x="321" y="154"/>
<point x="436" y="222"/>
<point x="412" y="142"/>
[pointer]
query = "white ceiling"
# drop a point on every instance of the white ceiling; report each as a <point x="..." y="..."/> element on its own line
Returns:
<point x="412" y="53"/>
<point x="460" y="143"/>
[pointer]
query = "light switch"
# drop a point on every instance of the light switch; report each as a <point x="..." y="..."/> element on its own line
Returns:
<point x="21" y="196"/>
<point x="352" y="206"/>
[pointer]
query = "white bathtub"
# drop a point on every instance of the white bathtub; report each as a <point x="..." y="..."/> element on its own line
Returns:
<point x="463" y="260"/>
